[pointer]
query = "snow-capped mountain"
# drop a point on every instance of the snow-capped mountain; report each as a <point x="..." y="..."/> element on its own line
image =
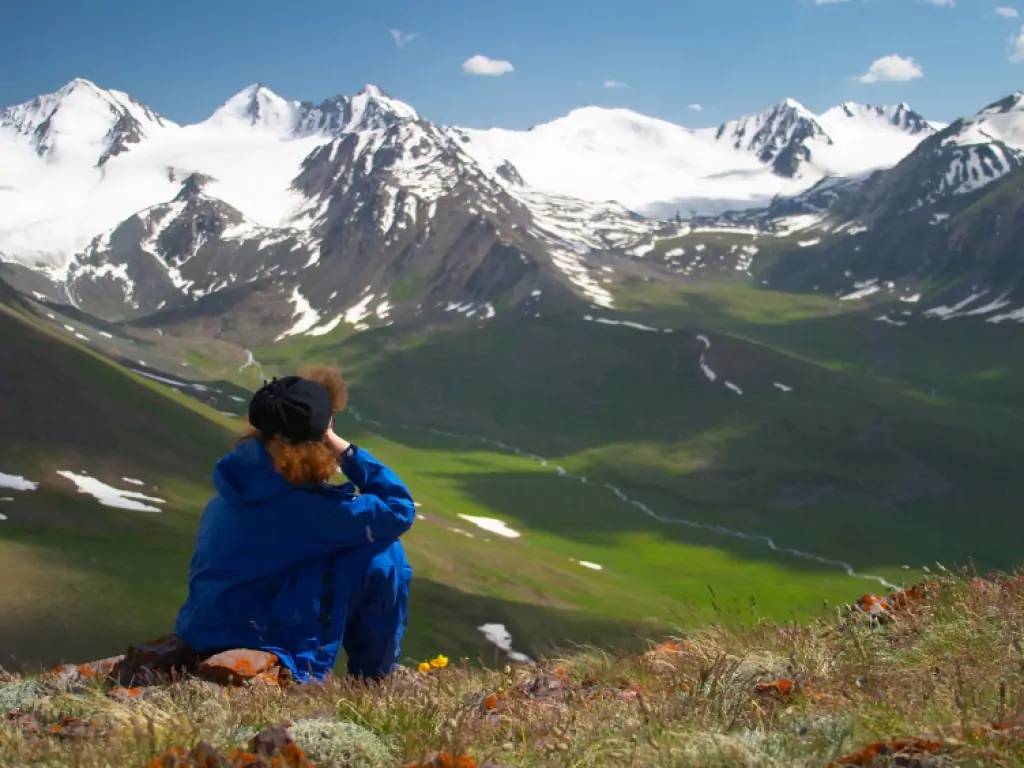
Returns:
<point x="948" y="217"/>
<point x="321" y="204"/>
<point x="657" y="167"/>
<point x="356" y="211"/>
<point x="778" y="137"/>
<point x="81" y="123"/>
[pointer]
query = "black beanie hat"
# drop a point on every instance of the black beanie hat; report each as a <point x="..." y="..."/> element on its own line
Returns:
<point x="292" y="407"/>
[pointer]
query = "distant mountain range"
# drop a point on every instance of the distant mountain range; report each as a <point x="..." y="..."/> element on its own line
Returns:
<point x="302" y="217"/>
<point x="659" y="168"/>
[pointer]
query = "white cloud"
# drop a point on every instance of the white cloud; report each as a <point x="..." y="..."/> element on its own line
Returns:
<point x="829" y="2"/>
<point x="942" y="3"/>
<point x="484" y="65"/>
<point x="401" y="38"/>
<point x="614" y="84"/>
<point x="696" y="107"/>
<point x="1007" y="11"/>
<point x="1017" y="47"/>
<point x="892" y="68"/>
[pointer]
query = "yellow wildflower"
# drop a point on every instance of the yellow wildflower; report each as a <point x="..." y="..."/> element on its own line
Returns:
<point x="424" y="667"/>
<point x="440" y="662"/>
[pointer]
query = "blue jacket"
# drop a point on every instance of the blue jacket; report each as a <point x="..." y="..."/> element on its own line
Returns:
<point x="281" y="567"/>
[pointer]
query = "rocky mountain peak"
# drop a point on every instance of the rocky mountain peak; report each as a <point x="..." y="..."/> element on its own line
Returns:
<point x="778" y="136"/>
<point x="82" y="121"/>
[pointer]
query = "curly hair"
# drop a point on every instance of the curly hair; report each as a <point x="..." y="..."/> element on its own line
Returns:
<point x="310" y="461"/>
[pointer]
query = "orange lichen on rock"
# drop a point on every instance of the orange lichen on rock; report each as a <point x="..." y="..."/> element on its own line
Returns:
<point x="873" y="605"/>
<point x="237" y="666"/>
<point x="74" y="728"/>
<point x="445" y="760"/>
<point x="271" y="748"/>
<point x="876" y="749"/>
<point x="276" y="677"/>
<point x="90" y="670"/>
<point x="125" y="694"/>
<point x="780" y="688"/>
<point x="670" y="647"/>
<point x="907" y="598"/>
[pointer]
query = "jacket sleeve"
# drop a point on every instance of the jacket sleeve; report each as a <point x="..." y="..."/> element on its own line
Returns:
<point x="382" y="511"/>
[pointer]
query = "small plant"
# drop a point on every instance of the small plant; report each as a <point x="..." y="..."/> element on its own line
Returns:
<point x="339" y="744"/>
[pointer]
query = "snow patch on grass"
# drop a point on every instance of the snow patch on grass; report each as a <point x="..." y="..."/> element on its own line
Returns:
<point x="16" y="482"/>
<point x="623" y="323"/>
<point x="108" y="495"/>
<point x="862" y="293"/>
<point x="502" y="638"/>
<point x="492" y="525"/>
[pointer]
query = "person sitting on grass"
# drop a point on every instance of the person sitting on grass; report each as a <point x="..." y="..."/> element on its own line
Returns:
<point x="286" y="562"/>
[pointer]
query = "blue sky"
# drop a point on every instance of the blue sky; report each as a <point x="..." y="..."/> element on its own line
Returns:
<point x="185" y="57"/>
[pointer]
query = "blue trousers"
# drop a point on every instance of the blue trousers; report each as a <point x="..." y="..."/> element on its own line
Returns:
<point x="364" y="610"/>
<point x="377" y="615"/>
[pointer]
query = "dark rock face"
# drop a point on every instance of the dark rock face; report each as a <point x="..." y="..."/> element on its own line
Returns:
<point x="777" y="137"/>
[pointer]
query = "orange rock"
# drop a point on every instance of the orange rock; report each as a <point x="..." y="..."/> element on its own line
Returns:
<point x="236" y="666"/>
<point x="271" y="748"/>
<point x="277" y="677"/>
<point x="124" y="694"/>
<point x="91" y="670"/>
<point x="781" y="688"/>
<point x="74" y="728"/>
<point x="876" y="749"/>
<point x="873" y="604"/>
<point x="907" y="597"/>
<point x="445" y="760"/>
<point x="1013" y="723"/>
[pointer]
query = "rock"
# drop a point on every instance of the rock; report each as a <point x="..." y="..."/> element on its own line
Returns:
<point x="75" y="728"/>
<point x="119" y="693"/>
<point x="445" y="760"/>
<point x="340" y="744"/>
<point x="782" y="688"/>
<point x="899" y="748"/>
<point x="146" y="662"/>
<point x="270" y="748"/>
<point x="237" y="666"/>
<point x="874" y="606"/>
<point x="90" y="670"/>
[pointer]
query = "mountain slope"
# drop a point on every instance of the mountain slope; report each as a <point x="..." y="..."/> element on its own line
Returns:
<point x="945" y="220"/>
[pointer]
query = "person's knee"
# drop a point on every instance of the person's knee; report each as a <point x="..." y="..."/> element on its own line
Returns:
<point x="388" y="570"/>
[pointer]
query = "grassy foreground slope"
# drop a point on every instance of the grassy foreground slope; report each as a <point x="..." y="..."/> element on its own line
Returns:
<point x="939" y="681"/>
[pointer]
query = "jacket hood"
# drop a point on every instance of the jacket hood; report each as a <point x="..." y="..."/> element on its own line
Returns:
<point x="247" y="475"/>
